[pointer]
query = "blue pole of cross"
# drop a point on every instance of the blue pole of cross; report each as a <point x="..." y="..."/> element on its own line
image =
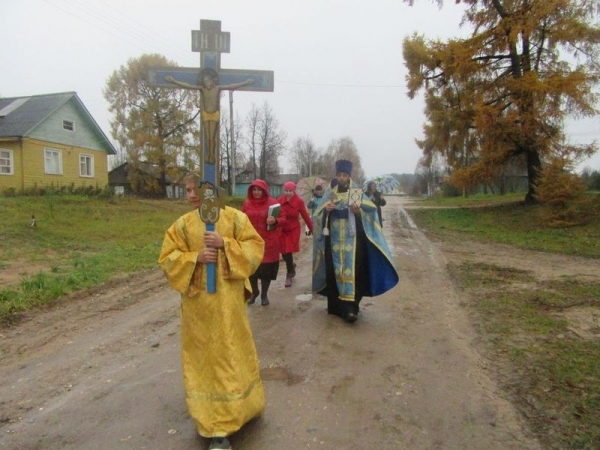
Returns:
<point x="211" y="274"/>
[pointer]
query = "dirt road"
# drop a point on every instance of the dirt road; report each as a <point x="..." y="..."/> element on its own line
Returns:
<point x="102" y="371"/>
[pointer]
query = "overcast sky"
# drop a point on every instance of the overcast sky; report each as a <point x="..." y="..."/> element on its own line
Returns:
<point x="338" y="63"/>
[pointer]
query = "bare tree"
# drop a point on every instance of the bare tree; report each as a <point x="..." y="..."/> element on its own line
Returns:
<point x="343" y="148"/>
<point x="191" y="152"/>
<point x="228" y="146"/>
<point x="303" y="155"/>
<point x="118" y="159"/>
<point x="226" y="151"/>
<point x="431" y="170"/>
<point x="271" y="142"/>
<point x="252" y="120"/>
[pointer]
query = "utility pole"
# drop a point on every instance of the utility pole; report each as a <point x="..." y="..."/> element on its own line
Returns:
<point x="232" y="139"/>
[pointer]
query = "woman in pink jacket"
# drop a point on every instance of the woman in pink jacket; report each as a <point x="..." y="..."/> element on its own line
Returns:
<point x="256" y="207"/>
<point x="292" y="207"/>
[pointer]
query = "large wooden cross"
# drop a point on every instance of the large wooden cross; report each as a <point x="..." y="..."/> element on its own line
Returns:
<point x="210" y="41"/>
<point x="210" y="80"/>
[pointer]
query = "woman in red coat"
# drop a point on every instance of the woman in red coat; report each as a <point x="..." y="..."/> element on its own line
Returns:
<point x="292" y="207"/>
<point x="256" y="207"/>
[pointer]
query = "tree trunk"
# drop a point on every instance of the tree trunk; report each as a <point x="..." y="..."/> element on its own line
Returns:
<point x="534" y="165"/>
<point x="162" y="168"/>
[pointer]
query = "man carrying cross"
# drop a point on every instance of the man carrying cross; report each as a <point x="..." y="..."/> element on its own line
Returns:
<point x="208" y="255"/>
<point x="220" y="364"/>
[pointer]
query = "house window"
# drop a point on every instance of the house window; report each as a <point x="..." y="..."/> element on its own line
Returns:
<point x="68" y="125"/>
<point x="86" y="165"/>
<point x="6" y="162"/>
<point x="53" y="161"/>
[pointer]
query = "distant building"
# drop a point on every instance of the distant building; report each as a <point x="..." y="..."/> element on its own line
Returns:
<point x="275" y="182"/>
<point x="146" y="177"/>
<point x="51" y="140"/>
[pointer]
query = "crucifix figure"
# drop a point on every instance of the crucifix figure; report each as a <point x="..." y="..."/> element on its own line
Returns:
<point x="210" y="90"/>
<point x="211" y="80"/>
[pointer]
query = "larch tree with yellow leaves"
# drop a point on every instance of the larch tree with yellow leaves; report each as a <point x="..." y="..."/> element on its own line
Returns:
<point x="500" y="97"/>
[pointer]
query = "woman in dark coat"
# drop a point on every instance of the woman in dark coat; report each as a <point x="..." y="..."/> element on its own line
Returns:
<point x="256" y="207"/>
<point x="292" y="207"/>
<point x="376" y="197"/>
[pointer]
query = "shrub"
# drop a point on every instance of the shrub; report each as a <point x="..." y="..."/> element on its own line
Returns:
<point x="562" y="194"/>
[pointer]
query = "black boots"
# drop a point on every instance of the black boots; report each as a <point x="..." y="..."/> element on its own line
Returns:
<point x="351" y="317"/>
<point x="255" y="292"/>
<point x="253" y="298"/>
<point x="264" y="300"/>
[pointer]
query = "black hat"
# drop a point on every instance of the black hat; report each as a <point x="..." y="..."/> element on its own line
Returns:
<point x="343" y="165"/>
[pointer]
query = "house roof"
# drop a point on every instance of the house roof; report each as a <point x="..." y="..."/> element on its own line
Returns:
<point x="19" y="116"/>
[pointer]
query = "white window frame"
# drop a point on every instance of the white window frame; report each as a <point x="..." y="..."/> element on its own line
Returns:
<point x="10" y="165"/>
<point x="88" y="160"/>
<point x="68" y="125"/>
<point x="56" y="155"/>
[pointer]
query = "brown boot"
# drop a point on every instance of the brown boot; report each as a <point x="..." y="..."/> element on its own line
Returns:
<point x="288" y="281"/>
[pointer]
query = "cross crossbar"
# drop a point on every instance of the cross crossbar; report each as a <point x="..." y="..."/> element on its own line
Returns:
<point x="264" y="80"/>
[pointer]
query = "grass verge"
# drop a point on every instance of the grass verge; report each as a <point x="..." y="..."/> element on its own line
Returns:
<point x="549" y="368"/>
<point x="513" y="223"/>
<point x="78" y="242"/>
<point x="541" y="336"/>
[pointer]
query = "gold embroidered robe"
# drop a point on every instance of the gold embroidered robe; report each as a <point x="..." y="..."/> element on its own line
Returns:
<point x="218" y="355"/>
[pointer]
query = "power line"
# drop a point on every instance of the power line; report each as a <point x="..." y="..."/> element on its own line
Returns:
<point x="94" y="24"/>
<point x="101" y="19"/>
<point x="342" y="85"/>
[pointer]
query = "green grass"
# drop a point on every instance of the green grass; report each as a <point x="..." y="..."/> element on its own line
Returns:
<point x="513" y="223"/>
<point x="78" y="242"/>
<point x="472" y="200"/>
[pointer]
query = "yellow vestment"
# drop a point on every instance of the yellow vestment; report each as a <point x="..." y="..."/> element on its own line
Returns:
<point x="218" y="355"/>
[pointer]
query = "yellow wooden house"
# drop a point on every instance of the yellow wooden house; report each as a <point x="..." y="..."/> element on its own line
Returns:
<point x="51" y="141"/>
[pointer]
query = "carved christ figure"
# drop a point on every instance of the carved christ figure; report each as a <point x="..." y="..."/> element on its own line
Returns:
<point x="210" y="93"/>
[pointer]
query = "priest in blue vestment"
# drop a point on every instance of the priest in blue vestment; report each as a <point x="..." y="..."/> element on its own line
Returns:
<point x="351" y="258"/>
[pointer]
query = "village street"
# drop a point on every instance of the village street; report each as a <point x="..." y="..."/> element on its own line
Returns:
<point x="102" y="371"/>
